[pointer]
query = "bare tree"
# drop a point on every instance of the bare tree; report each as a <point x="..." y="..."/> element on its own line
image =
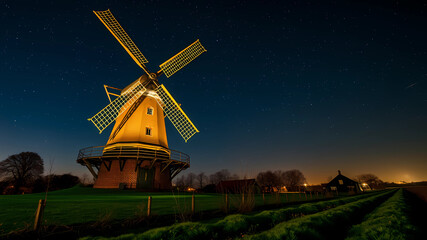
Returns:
<point x="49" y="178"/>
<point x="268" y="180"/>
<point x="189" y="180"/>
<point x="279" y="174"/>
<point x="293" y="179"/>
<point x="201" y="179"/>
<point x="212" y="179"/>
<point x="234" y="177"/>
<point x="180" y="182"/>
<point x="372" y="180"/>
<point x="219" y="176"/>
<point x="223" y="175"/>
<point x="22" y="168"/>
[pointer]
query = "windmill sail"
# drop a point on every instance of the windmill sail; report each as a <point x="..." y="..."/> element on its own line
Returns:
<point x="175" y="114"/>
<point x="181" y="59"/>
<point x="108" y="114"/>
<point x="119" y="33"/>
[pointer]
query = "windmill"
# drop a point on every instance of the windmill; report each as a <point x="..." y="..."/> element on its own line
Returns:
<point x="137" y="154"/>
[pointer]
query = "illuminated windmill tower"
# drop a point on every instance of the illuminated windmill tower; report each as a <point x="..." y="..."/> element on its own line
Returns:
<point x="137" y="154"/>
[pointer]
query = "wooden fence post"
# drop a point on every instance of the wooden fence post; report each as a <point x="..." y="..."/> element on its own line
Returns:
<point x="226" y="203"/>
<point x="243" y="198"/>
<point x="39" y="214"/>
<point x="193" y="204"/>
<point x="149" y="206"/>
<point x="263" y="198"/>
<point x="305" y="195"/>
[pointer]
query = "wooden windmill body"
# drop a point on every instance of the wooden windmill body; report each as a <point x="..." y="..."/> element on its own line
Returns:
<point x="137" y="154"/>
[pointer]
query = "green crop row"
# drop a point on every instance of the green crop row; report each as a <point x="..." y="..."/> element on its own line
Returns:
<point x="388" y="221"/>
<point x="236" y="224"/>
<point x="323" y="224"/>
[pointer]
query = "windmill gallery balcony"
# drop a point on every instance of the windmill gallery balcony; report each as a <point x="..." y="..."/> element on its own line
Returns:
<point x="96" y="156"/>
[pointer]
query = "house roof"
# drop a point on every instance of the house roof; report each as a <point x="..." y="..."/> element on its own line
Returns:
<point x="345" y="179"/>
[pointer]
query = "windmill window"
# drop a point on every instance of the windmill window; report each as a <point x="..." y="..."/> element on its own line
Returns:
<point x="148" y="131"/>
<point x="341" y="182"/>
<point x="150" y="111"/>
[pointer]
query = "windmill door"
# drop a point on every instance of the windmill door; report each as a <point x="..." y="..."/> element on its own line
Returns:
<point x="145" y="178"/>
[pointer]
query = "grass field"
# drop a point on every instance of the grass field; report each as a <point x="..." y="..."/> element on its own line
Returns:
<point x="79" y="205"/>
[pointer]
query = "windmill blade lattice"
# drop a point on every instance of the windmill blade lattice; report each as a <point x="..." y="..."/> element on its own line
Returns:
<point x="175" y="114"/>
<point x="108" y="114"/>
<point x="119" y="33"/>
<point x="181" y="59"/>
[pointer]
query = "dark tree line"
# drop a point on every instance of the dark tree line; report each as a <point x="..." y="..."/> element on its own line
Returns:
<point x="268" y="180"/>
<point x="23" y="173"/>
<point x="271" y="181"/>
<point x="201" y="180"/>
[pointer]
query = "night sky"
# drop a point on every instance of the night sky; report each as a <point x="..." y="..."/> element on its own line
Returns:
<point x="312" y="85"/>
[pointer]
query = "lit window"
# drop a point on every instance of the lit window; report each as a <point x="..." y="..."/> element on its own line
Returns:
<point x="148" y="131"/>
<point x="341" y="182"/>
<point x="150" y="111"/>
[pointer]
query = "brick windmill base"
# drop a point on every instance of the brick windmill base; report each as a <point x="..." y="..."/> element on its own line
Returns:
<point x="141" y="167"/>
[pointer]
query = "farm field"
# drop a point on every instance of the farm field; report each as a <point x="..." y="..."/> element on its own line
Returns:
<point x="369" y="216"/>
<point x="420" y="191"/>
<point x="79" y="205"/>
<point x="237" y="225"/>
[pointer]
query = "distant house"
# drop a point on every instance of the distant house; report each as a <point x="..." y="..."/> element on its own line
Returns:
<point x="342" y="183"/>
<point x="238" y="186"/>
<point x="10" y="189"/>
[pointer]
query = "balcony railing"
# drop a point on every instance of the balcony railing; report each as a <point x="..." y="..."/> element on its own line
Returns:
<point x="132" y="152"/>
